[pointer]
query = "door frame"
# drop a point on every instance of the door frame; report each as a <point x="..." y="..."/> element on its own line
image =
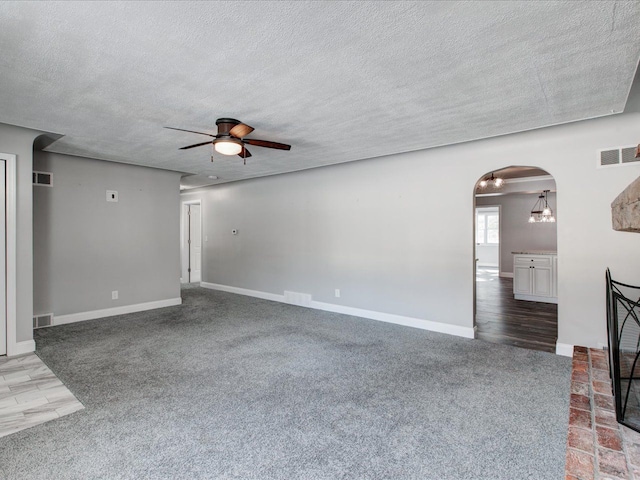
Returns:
<point x="11" y="254"/>
<point x="184" y="246"/>
<point x="475" y="229"/>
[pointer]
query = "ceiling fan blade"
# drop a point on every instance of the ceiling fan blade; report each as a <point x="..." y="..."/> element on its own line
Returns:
<point x="241" y="130"/>
<point x="196" y="145"/>
<point x="244" y="153"/>
<point x="266" y="143"/>
<point x="191" y="131"/>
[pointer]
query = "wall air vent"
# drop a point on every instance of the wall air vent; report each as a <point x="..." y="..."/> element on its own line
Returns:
<point x="609" y="157"/>
<point x="43" y="179"/>
<point x="45" y="320"/>
<point x="297" y="298"/>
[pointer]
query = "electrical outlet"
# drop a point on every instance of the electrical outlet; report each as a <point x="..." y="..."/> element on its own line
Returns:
<point x="337" y="293"/>
<point x="114" y="295"/>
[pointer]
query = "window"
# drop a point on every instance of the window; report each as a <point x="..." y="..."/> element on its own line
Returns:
<point x="487" y="226"/>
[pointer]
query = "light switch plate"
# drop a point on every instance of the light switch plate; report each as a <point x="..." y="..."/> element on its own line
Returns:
<point x="112" y="196"/>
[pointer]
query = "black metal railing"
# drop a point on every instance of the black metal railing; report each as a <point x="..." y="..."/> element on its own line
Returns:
<point x="623" y="330"/>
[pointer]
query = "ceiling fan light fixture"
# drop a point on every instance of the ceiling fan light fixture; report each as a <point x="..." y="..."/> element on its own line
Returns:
<point x="228" y="147"/>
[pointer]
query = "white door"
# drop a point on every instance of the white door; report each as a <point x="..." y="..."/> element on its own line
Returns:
<point x="195" y="243"/>
<point x="3" y="265"/>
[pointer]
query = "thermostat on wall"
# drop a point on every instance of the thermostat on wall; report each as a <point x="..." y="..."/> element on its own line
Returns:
<point x="112" y="196"/>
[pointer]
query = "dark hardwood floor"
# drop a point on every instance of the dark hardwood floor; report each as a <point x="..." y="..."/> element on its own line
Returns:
<point x="502" y="319"/>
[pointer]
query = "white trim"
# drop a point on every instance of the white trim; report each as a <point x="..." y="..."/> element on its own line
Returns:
<point x="466" y="332"/>
<point x="564" y="349"/>
<point x="506" y="274"/>
<point x="110" y="312"/>
<point x="274" y="297"/>
<point x="20" y="348"/>
<point x="13" y="346"/>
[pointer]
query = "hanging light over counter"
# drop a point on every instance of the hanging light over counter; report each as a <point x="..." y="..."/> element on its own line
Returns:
<point x="541" y="211"/>
<point x="495" y="182"/>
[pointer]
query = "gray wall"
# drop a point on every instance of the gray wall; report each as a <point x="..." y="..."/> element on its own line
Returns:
<point x="516" y="233"/>
<point x="395" y="234"/>
<point x="86" y="247"/>
<point x="19" y="141"/>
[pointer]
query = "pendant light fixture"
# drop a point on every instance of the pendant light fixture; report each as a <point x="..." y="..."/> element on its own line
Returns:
<point x="494" y="182"/>
<point x="541" y="211"/>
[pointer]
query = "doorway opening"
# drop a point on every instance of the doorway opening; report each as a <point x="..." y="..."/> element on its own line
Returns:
<point x="515" y="275"/>
<point x="192" y="242"/>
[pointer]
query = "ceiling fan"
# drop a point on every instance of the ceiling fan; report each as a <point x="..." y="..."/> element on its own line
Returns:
<point x="230" y="139"/>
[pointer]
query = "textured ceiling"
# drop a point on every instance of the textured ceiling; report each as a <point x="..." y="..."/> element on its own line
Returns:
<point x="339" y="81"/>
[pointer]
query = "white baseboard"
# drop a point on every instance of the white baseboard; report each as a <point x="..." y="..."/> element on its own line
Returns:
<point x="506" y="274"/>
<point x="466" y="332"/>
<point x="20" y="348"/>
<point x="564" y="349"/>
<point x="110" y="312"/>
<point x="244" y="291"/>
<point x="456" y="330"/>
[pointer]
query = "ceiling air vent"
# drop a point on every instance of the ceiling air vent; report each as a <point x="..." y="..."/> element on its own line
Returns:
<point x="43" y="179"/>
<point x="609" y="157"/>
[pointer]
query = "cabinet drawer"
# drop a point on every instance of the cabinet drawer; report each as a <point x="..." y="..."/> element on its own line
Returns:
<point x="533" y="260"/>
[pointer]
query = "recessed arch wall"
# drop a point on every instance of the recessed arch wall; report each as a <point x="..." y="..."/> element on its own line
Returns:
<point x="514" y="200"/>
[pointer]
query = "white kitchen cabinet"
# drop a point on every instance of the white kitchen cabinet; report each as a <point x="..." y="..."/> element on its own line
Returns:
<point x="535" y="277"/>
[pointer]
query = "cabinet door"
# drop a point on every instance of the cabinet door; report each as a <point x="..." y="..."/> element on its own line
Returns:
<point x="542" y="283"/>
<point x="522" y="280"/>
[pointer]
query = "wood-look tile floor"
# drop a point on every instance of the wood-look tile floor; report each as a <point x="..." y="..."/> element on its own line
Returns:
<point x="30" y="394"/>
<point x="502" y="319"/>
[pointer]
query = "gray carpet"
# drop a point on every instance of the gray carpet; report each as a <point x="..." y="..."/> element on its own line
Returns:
<point x="227" y="386"/>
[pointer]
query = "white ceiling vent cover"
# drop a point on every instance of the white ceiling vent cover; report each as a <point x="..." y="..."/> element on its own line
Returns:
<point x="610" y="157"/>
<point x="43" y="179"/>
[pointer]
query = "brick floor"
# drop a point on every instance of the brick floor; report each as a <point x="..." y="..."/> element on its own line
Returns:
<point x="598" y="447"/>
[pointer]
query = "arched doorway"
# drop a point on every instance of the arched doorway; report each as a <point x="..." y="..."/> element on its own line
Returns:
<point x="515" y="252"/>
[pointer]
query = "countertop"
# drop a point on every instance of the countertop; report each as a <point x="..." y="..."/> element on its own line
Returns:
<point x="535" y="252"/>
